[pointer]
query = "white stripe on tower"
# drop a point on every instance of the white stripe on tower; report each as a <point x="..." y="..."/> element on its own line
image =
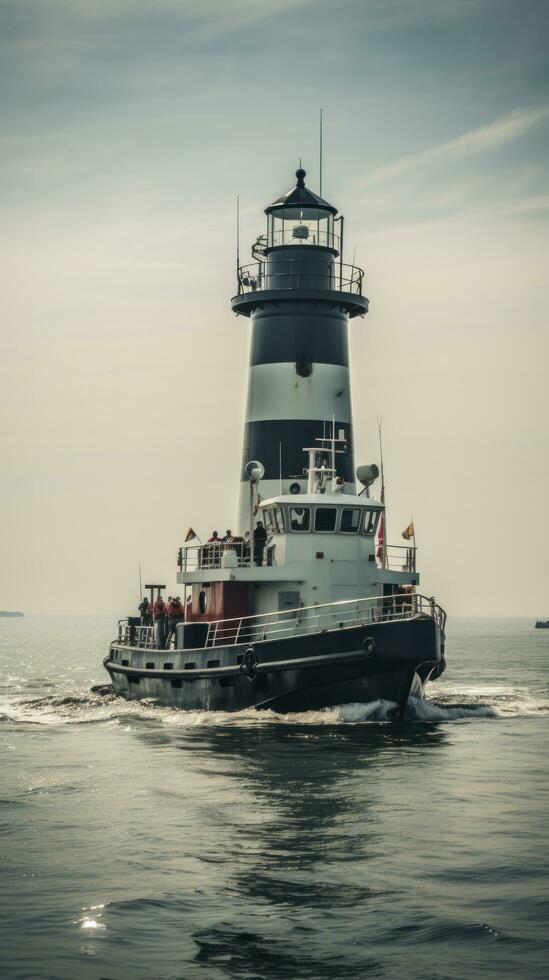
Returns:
<point x="276" y="391"/>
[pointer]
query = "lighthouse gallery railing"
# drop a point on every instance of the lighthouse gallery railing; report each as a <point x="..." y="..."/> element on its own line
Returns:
<point x="342" y="278"/>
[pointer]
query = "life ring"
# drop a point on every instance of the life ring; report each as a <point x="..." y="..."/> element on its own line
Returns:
<point x="368" y="644"/>
<point x="248" y="665"/>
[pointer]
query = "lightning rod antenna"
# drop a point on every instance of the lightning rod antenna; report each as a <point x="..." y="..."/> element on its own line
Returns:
<point x="320" y="154"/>
<point x="384" y="542"/>
<point x="238" y="243"/>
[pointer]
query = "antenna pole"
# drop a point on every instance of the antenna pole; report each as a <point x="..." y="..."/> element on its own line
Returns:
<point x="341" y="219"/>
<point x="333" y="450"/>
<point x="140" y="585"/>
<point x="320" y="154"/>
<point x="384" y="545"/>
<point x="252" y="535"/>
<point x="238" y="244"/>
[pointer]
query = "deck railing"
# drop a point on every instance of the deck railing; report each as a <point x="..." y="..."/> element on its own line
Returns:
<point x="323" y="618"/>
<point x="400" y="558"/>
<point x="193" y="558"/>
<point x="210" y="555"/>
<point x="302" y="621"/>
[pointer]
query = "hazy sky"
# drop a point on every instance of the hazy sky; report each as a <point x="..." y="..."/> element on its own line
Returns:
<point x="128" y="128"/>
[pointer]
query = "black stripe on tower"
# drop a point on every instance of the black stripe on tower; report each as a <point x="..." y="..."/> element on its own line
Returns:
<point x="313" y="338"/>
<point x="262" y="441"/>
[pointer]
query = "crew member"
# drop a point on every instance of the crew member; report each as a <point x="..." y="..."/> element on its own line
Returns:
<point x="145" y="612"/>
<point x="212" y="551"/>
<point x="159" y="619"/>
<point x="260" y="539"/>
<point x="174" y="613"/>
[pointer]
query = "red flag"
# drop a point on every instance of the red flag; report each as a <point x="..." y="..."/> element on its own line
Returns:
<point x="189" y="535"/>
<point x="380" y="536"/>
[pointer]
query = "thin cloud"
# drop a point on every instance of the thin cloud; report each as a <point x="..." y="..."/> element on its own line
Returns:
<point x="198" y="16"/>
<point x="476" y="141"/>
<point x="534" y="204"/>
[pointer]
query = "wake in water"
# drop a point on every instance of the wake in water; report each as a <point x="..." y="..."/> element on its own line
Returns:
<point x="101" y="705"/>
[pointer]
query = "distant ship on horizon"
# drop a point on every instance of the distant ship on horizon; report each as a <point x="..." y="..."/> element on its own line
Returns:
<point x="542" y="624"/>
<point x="5" y="612"/>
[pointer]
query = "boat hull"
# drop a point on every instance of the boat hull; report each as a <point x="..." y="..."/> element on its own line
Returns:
<point x="388" y="661"/>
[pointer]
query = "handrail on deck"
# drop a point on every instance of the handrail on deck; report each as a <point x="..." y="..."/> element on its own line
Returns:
<point x="211" y="555"/>
<point x="193" y="558"/>
<point x="328" y="616"/>
<point x="301" y="621"/>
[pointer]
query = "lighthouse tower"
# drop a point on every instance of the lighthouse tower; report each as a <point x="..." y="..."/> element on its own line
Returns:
<point x="299" y="296"/>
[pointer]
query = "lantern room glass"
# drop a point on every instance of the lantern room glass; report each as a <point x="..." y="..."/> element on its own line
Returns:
<point x="301" y="226"/>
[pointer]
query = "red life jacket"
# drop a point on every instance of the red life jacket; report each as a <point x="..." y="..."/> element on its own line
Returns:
<point x="159" y="609"/>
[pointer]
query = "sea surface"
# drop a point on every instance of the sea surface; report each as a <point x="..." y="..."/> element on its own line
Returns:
<point x="144" y="842"/>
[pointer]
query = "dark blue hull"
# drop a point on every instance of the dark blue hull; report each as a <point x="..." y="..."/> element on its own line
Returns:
<point x="388" y="661"/>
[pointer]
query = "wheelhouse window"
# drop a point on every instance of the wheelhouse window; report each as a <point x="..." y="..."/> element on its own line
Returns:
<point x="325" y="519"/>
<point x="369" y="523"/>
<point x="350" y="520"/>
<point x="274" y="520"/>
<point x="300" y="518"/>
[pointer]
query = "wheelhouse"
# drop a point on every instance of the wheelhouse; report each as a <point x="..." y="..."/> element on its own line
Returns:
<point x="297" y="517"/>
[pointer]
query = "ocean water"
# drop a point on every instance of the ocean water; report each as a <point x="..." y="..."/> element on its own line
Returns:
<point x="142" y="842"/>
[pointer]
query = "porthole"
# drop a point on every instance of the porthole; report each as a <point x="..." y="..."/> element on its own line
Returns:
<point x="369" y="644"/>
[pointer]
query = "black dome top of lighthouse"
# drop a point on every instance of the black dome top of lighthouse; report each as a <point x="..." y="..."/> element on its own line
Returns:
<point x="300" y="197"/>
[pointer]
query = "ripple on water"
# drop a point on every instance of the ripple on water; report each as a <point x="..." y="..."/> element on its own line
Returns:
<point x="101" y="705"/>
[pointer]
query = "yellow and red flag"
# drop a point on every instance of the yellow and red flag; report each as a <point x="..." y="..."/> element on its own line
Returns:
<point x="409" y="532"/>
